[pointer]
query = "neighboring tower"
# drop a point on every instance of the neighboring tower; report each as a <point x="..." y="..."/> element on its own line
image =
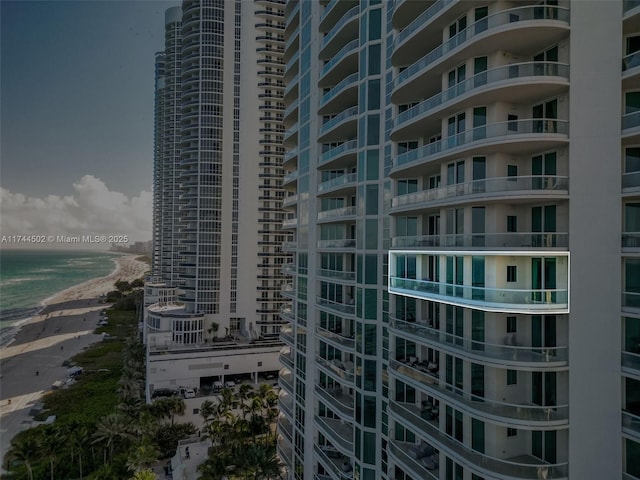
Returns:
<point x="221" y="182"/>
<point x="158" y="170"/>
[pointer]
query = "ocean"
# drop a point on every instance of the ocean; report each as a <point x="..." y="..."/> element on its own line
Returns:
<point x="27" y="277"/>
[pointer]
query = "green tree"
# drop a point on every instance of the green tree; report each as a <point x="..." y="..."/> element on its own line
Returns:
<point x="78" y="439"/>
<point x="142" y="456"/>
<point x="26" y="450"/>
<point x="111" y="429"/>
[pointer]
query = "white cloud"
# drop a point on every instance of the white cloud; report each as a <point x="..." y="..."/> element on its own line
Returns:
<point x="93" y="209"/>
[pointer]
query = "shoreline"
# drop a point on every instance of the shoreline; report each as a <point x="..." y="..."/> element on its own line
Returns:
<point x="63" y="327"/>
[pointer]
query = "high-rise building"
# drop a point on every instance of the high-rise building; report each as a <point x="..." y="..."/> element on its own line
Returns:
<point x="464" y="182"/>
<point x="217" y="194"/>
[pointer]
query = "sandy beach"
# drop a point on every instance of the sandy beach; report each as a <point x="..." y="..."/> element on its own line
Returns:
<point x="62" y="329"/>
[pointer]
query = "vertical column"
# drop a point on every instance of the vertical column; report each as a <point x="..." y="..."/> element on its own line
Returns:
<point x="594" y="229"/>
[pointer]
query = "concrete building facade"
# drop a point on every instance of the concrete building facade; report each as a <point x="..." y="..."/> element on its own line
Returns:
<point x="463" y="188"/>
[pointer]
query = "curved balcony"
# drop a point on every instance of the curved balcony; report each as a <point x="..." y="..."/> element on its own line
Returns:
<point x="285" y="379"/>
<point x="337" y="432"/>
<point x="630" y="70"/>
<point x="290" y="46"/>
<point x="290" y="92"/>
<point x="506" y="300"/>
<point x="338" y="340"/>
<point x="483" y="464"/>
<point x="341" y="402"/>
<point x="341" y="96"/>
<point x="404" y="11"/>
<point x="332" y="460"/>
<point x="421" y="32"/>
<point x="285" y="404"/>
<point x="285" y="428"/>
<point x="524" y="416"/>
<point x="501" y="356"/>
<point x="531" y="187"/>
<point x="631" y="364"/>
<point x="344" y="155"/>
<point x="341" y="64"/>
<point x="343" y="183"/>
<point x="520" y="240"/>
<point x="336" y="244"/>
<point x="290" y="201"/>
<point x="292" y="67"/>
<point x="514" y="83"/>
<point x="288" y="115"/>
<point x="397" y="452"/>
<point x="524" y="29"/>
<point x="290" y="177"/>
<point x="333" y="11"/>
<point x="338" y="214"/>
<point x="339" y="308"/>
<point x="631" y="301"/>
<point x="631" y="424"/>
<point x="343" y="30"/>
<point x="293" y="17"/>
<point x="286" y="359"/>
<point x="290" y="136"/>
<point x="513" y="137"/>
<point x="287" y="337"/>
<point x="631" y="127"/>
<point x="284" y="451"/>
<point x="339" y="276"/>
<point x="342" y="126"/>
<point x="336" y="370"/>
<point x="287" y="291"/>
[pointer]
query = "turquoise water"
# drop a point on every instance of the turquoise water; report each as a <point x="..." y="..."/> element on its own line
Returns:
<point x="29" y="277"/>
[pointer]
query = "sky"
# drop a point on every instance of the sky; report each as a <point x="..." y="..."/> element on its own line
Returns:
<point x="76" y="116"/>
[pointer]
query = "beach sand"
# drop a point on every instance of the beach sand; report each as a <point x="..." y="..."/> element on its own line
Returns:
<point x="61" y="330"/>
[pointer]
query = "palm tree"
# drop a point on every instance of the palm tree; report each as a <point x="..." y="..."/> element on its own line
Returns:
<point x="105" y="472"/>
<point x="207" y="411"/>
<point x="26" y="450"/>
<point x="244" y="392"/>
<point x="141" y="456"/>
<point x="109" y="430"/>
<point x="146" y="474"/>
<point x="77" y="441"/>
<point x="51" y="441"/>
<point x="168" y="407"/>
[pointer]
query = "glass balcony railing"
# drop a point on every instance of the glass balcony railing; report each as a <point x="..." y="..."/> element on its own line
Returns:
<point x="337" y="151"/>
<point x="629" y="4"/>
<point x="286" y="380"/>
<point x="337" y="243"/>
<point x="485" y="240"/>
<point x="292" y="61"/>
<point x="293" y="83"/>
<point x="494" y="21"/>
<point x="349" y="178"/>
<point x="485" y="297"/>
<point x="336" y="274"/>
<point x="337" y="368"/>
<point x="420" y="21"/>
<point x="631" y="299"/>
<point x="341" y="86"/>
<point x="348" y="114"/>
<point x="339" y="307"/>
<point x="398" y="450"/>
<point x="484" y="134"/>
<point x="291" y="108"/>
<point x="337" y="338"/>
<point x="631" y="240"/>
<point x="285" y="428"/>
<point x="349" y="48"/>
<point x="631" y="180"/>
<point x="292" y="38"/>
<point x="290" y="223"/>
<point x="337" y="213"/>
<point x="330" y="458"/>
<point x="513" y="413"/>
<point x="631" y="61"/>
<point x="631" y="120"/>
<point x="505" y="354"/>
<point x="286" y="337"/>
<point x="341" y="402"/>
<point x="499" y="74"/>
<point x="285" y="404"/>
<point x="287" y="360"/>
<point x="631" y="422"/>
<point x="289" y="177"/>
<point x="486" y="185"/>
<point x="284" y="451"/>
<point x="631" y="360"/>
<point x="346" y="18"/>
<point x="291" y="153"/>
<point x="289" y="132"/>
<point x="338" y="433"/>
<point x="476" y="461"/>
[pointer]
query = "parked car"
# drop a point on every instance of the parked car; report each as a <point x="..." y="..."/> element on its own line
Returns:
<point x="189" y="393"/>
<point x="229" y="384"/>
